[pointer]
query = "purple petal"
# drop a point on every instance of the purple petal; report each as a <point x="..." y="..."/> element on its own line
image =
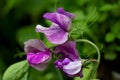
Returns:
<point x="59" y="63"/>
<point x="62" y="11"/>
<point x="34" y="45"/>
<point x="54" y="34"/>
<point x="66" y="61"/>
<point x="68" y="49"/>
<point x="39" y="60"/>
<point x="39" y="57"/>
<point x="63" y="21"/>
<point x="72" y="68"/>
<point x="40" y="67"/>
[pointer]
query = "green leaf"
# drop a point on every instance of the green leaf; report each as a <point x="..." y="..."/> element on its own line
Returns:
<point x="109" y="37"/>
<point x="107" y="7"/>
<point x="103" y="17"/>
<point x="92" y="15"/>
<point x="16" y="71"/>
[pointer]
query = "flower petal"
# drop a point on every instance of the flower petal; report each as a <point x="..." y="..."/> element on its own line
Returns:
<point x="63" y="21"/>
<point x="34" y="45"/>
<point x="59" y="63"/>
<point x="54" y="34"/>
<point x="68" y="49"/>
<point x="40" y="67"/>
<point x="72" y="68"/>
<point x="39" y="57"/>
<point x="66" y="61"/>
<point x="39" y="60"/>
<point x="62" y="11"/>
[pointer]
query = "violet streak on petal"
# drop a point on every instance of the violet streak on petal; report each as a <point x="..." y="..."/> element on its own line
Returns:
<point x="68" y="49"/>
<point x="34" y="45"/>
<point x="61" y="23"/>
<point x="54" y="34"/>
<point x="61" y="20"/>
<point x="38" y="55"/>
<point x="69" y="60"/>
<point x="62" y="11"/>
<point x="59" y="63"/>
<point x="66" y="61"/>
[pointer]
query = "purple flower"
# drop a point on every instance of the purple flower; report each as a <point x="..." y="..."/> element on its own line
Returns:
<point x="38" y="55"/>
<point x="69" y="61"/>
<point x="58" y="31"/>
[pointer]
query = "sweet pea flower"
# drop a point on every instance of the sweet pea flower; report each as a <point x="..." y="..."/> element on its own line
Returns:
<point x="38" y="55"/>
<point x="58" y="31"/>
<point x="69" y="62"/>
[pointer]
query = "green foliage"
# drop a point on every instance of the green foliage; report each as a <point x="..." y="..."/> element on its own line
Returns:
<point x="115" y="29"/>
<point x="86" y="50"/>
<point x="29" y="6"/>
<point x="10" y="4"/>
<point x="88" y="72"/>
<point x="109" y="37"/>
<point x="108" y="7"/>
<point x="17" y="71"/>
<point x="110" y="56"/>
<point x="26" y="33"/>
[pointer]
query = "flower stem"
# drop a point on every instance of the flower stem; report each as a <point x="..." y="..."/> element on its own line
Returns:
<point x="55" y="7"/>
<point x="98" y="51"/>
<point x="59" y="74"/>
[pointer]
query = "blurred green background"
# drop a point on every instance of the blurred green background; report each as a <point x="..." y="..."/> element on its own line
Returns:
<point x="18" y="19"/>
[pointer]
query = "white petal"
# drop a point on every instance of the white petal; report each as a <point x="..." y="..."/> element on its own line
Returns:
<point x="40" y="28"/>
<point x="73" y="67"/>
<point x="54" y="34"/>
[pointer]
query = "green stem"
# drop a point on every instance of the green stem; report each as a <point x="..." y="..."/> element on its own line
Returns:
<point x="59" y="74"/>
<point x="55" y="7"/>
<point x="98" y="51"/>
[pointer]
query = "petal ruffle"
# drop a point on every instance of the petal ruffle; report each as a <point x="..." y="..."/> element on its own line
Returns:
<point x="62" y="11"/>
<point x="39" y="57"/>
<point x="59" y="63"/>
<point x="39" y="60"/>
<point x="40" y="67"/>
<point x="63" y="21"/>
<point x="68" y="49"/>
<point x="34" y="45"/>
<point x="72" y="68"/>
<point x="54" y="34"/>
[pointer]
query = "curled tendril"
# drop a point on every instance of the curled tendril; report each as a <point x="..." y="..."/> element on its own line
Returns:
<point x="97" y="49"/>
